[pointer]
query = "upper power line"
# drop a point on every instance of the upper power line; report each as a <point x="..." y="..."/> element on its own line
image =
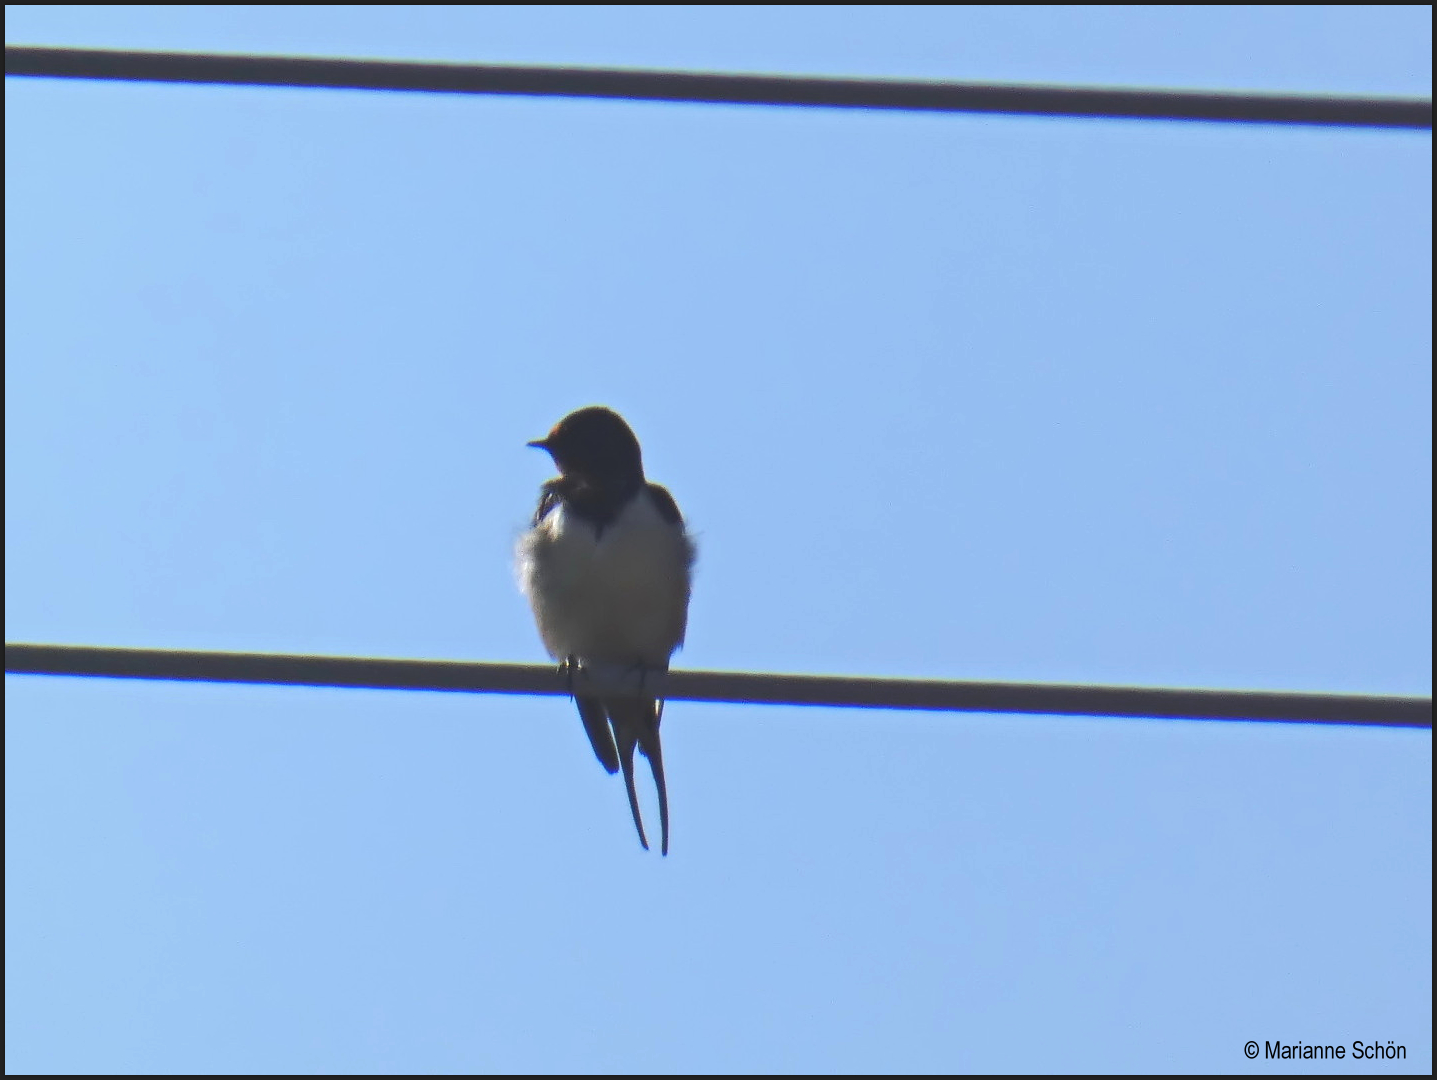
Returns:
<point x="725" y="686"/>
<point x="638" y="85"/>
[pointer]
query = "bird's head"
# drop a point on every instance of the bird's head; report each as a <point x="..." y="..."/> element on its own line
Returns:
<point x="596" y="445"/>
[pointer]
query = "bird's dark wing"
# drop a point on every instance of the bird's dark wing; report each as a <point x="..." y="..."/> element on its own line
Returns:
<point x="668" y="509"/>
<point x="550" y="496"/>
<point x="596" y="726"/>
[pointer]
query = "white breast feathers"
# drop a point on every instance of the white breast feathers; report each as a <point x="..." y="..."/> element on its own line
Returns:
<point x="616" y="596"/>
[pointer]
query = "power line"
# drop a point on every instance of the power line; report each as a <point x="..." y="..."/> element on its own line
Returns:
<point x="733" y="89"/>
<point x="722" y="686"/>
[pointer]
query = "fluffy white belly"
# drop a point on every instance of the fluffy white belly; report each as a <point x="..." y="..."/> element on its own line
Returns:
<point x="621" y="597"/>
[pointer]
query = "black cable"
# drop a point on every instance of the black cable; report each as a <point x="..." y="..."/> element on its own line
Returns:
<point x="724" y="686"/>
<point x="236" y="70"/>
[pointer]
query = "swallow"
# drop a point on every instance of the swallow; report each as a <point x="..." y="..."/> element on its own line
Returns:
<point x="606" y="566"/>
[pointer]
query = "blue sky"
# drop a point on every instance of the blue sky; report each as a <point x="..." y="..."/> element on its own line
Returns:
<point x="941" y="396"/>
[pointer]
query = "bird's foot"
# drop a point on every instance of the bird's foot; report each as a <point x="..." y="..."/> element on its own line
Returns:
<point x="640" y="672"/>
<point x="567" y="667"/>
<point x="643" y="672"/>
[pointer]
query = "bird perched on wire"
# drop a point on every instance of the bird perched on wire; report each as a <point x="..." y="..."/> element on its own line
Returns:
<point x="606" y="567"/>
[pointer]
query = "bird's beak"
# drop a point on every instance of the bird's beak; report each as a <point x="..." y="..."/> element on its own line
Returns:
<point x="542" y="444"/>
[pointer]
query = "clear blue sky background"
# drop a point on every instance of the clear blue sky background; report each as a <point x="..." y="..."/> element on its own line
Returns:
<point x="941" y="396"/>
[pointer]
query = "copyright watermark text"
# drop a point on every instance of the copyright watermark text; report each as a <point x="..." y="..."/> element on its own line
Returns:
<point x="1360" y="1051"/>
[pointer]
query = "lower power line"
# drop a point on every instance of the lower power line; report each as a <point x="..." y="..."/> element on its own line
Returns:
<point x="721" y="686"/>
